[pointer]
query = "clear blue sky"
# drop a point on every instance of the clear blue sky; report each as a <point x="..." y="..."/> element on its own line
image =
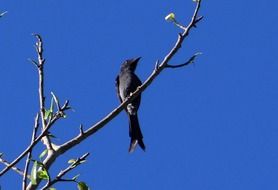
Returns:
<point x="209" y="126"/>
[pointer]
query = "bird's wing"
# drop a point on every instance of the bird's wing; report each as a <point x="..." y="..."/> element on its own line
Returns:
<point x="117" y="88"/>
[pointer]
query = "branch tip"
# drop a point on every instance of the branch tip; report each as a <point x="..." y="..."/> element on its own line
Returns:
<point x="196" y="21"/>
<point x="37" y="36"/>
<point x="33" y="61"/>
<point x="66" y="105"/>
<point x="29" y="155"/>
<point x="191" y="60"/>
<point x="56" y="101"/>
<point x="156" y="65"/>
<point x="81" y="129"/>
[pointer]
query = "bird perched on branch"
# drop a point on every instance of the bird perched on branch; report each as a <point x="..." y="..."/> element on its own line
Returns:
<point x="127" y="83"/>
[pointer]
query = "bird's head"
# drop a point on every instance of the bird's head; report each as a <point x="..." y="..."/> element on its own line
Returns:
<point x="130" y="64"/>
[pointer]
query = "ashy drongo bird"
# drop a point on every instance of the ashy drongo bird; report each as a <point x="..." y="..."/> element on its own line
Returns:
<point x="127" y="83"/>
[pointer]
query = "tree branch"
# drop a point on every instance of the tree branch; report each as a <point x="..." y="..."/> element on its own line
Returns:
<point x="17" y="170"/>
<point x="40" y="67"/>
<point x="56" y="101"/>
<point x="191" y="60"/>
<point x="35" y="129"/>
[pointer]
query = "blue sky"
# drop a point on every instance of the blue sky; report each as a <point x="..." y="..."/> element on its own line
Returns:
<point x="211" y="125"/>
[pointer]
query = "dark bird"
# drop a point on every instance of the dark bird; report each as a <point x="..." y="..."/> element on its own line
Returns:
<point x="127" y="83"/>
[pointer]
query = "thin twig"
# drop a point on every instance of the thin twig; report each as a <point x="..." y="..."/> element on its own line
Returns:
<point x="156" y="64"/>
<point x="34" y="62"/>
<point x="56" y="101"/>
<point x="65" y="171"/>
<point x="27" y="163"/>
<point x="191" y="60"/>
<point x="17" y="170"/>
<point x="81" y="129"/>
<point x="197" y="20"/>
<point x="179" y="25"/>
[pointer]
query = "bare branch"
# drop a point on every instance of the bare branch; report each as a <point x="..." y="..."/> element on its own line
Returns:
<point x="41" y="61"/>
<point x="197" y="20"/>
<point x="35" y="129"/>
<point x="179" y="25"/>
<point x="56" y="101"/>
<point x="81" y="129"/>
<point x="34" y="62"/>
<point x="156" y="65"/>
<point x="66" y="106"/>
<point x="191" y="60"/>
<point x="17" y="170"/>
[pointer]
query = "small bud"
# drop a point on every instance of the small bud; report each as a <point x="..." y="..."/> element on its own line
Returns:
<point x="170" y="17"/>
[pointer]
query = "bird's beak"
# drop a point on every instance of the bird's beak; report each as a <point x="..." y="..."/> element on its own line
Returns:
<point x="135" y="60"/>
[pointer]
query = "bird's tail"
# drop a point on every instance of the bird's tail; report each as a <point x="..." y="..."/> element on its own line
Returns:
<point x="135" y="133"/>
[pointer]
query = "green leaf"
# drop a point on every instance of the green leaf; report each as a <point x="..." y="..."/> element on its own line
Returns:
<point x="51" y="188"/>
<point x="43" y="174"/>
<point x="75" y="177"/>
<point x="82" y="186"/>
<point x="71" y="161"/>
<point x="34" y="173"/>
<point x="43" y="154"/>
<point x="47" y="114"/>
<point x="51" y="105"/>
